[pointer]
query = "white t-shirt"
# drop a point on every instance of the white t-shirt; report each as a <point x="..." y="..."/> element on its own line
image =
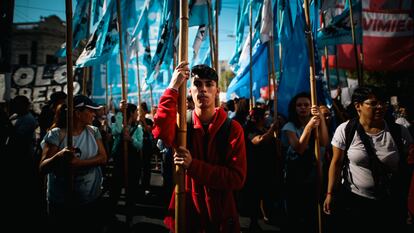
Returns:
<point x="360" y="176"/>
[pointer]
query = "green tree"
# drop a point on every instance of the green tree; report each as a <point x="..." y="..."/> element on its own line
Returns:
<point x="225" y="80"/>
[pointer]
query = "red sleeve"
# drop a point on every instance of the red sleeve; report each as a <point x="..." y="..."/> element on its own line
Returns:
<point x="228" y="177"/>
<point x="165" y="121"/>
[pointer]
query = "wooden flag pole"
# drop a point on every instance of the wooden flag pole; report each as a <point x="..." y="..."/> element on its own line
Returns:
<point x="151" y="98"/>
<point x="182" y="123"/>
<point x="216" y="38"/>
<point x="308" y="32"/>
<point x="69" y="77"/>
<point x="174" y="34"/>
<point x="357" y="63"/>
<point x="326" y="71"/>
<point x="251" y="55"/>
<point x="138" y="78"/>
<point x="124" y="97"/>
<point x="211" y="35"/>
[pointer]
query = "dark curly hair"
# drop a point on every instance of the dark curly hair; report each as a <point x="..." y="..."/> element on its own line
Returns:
<point x="293" y="116"/>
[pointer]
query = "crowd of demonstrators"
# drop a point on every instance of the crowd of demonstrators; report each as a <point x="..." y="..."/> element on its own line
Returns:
<point x="215" y="167"/>
<point x="233" y="162"/>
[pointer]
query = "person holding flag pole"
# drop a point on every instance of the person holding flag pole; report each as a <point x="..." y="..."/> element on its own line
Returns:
<point x="314" y="103"/>
<point x="124" y="98"/>
<point x="209" y="168"/>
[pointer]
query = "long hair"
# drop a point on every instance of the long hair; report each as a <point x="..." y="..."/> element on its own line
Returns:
<point x="293" y="115"/>
<point x="59" y="121"/>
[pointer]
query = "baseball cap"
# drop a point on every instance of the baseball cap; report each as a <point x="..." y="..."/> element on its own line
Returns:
<point x="83" y="101"/>
<point x="204" y="72"/>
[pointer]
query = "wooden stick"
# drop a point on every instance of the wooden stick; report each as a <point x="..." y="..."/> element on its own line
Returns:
<point x="251" y="55"/>
<point x="124" y="97"/>
<point x="308" y="32"/>
<point x="357" y="63"/>
<point x="182" y="123"/>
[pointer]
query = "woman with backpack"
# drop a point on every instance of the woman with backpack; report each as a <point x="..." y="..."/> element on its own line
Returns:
<point x="366" y="185"/>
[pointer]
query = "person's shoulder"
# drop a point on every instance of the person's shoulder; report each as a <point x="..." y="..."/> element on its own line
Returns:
<point x="289" y="127"/>
<point x="343" y="125"/>
<point x="92" y="128"/>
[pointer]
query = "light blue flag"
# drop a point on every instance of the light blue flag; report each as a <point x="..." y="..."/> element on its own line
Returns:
<point x="164" y="41"/>
<point x="142" y="19"/>
<point x="104" y="41"/>
<point x="129" y="15"/>
<point x="95" y="10"/>
<point x="338" y="30"/>
<point x="201" y="47"/>
<point x="198" y="12"/>
<point x="239" y="32"/>
<point x="295" y="61"/>
<point x="244" y="21"/>
<point x="147" y="49"/>
<point x="244" y="57"/>
<point x="80" y="26"/>
<point x="240" y="85"/>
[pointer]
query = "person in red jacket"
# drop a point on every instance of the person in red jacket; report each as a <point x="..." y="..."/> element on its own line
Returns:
<point x="211" y="176"/>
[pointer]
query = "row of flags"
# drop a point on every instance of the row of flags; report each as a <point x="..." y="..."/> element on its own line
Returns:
<point x="150" y="36"/>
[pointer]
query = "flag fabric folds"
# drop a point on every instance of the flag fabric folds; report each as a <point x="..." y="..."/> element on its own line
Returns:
<point x="103" y="41"/>
<point x="338" y="30"/>
<point x="80" y="26"/>
<point x="198" y="12"/>
<point x="388" y="38"/>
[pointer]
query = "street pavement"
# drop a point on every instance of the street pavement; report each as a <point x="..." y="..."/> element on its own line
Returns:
<point x="148" y="213"/>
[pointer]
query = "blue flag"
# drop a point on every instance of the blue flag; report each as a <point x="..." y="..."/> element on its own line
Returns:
<point x="240" y="85"/>
<point x="295" y="61"/>
<point x="104" y="40"/>
<point x="198" y="12"/>
<point x="80" y="26"/>
<point x="95" y="10"/>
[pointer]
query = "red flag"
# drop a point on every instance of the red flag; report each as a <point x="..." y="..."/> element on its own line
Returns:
<point x="388" y="37"/>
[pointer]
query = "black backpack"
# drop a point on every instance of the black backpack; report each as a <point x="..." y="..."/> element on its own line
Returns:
<point x="222" y="137"/>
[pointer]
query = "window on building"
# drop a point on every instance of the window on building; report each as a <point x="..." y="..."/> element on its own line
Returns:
<point x="50" y="59"/>
<point x="33" y="53"/>
<point x="23" y="59"/>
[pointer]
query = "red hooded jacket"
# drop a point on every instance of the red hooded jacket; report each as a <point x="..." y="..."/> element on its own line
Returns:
<point x="209" y="187"/>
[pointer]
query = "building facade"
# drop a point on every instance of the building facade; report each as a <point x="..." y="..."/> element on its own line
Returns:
<point x="35" y="43"/>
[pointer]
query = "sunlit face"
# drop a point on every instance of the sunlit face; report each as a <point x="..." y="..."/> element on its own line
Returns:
<point x="204" y="92"/>
<point x="303" y="105"/>
<point x="371" y="109"/>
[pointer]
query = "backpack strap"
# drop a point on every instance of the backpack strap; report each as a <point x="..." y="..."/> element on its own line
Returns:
<point x="222" y="139"/>
<point x="350" y="130"/>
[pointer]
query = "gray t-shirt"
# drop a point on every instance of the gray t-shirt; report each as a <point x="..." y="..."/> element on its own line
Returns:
<point x="360" y="176"/>
<point x="87" y="181"/>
